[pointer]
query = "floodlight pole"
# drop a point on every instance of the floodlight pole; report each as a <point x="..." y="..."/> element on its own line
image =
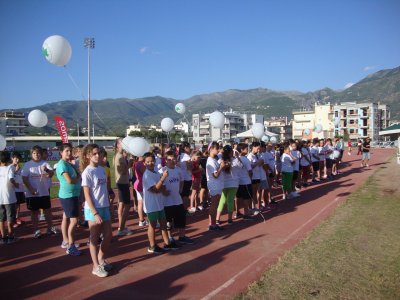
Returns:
<point x="89" y="44"/>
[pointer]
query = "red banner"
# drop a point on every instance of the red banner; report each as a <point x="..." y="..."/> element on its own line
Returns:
<point x="62" y="128"/>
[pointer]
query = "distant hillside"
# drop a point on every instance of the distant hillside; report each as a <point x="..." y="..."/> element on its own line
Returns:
<point x="112" y="116"/>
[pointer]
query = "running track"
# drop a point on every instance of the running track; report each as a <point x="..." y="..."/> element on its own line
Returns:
<point x="218" y="266"/>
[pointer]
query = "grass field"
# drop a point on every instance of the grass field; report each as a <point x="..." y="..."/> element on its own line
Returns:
<point x="355" y="254"/>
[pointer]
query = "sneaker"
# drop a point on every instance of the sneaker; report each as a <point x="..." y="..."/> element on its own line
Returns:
<point x="42" y="217"/>
<point x="214" y="228"/>
<point x="155" y="250"/>
<point x="106" y="266"/>
<point x="52" y="230"/>
<point x="305" y="184"/>
<point x="367" y="165"/>
<point x="294" y="194"/>
<point x="100" y="272"/>
<point x="218" y="222"/>
<point x="64" y="245"/>
<point x="125" y="231"/>
<point x="3" y="241"/>
<point x="200" y="207"/>
<point x="73" y="251"/>
<point x="185" y="240"/>
<point x="297" y="188"/>
<point x="230" y="222"/>
<point x="12" y="240"/>
<point x="273" y="201"/>
<point x="192" y="210"/>
<point x="19" y="221"/>
<point x="143" y="223"/>
<point x="171" y="246"/>
<point x="37" y="234"/>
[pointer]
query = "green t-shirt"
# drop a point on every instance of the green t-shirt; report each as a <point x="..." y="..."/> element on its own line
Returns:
<point x="67" y="190"/>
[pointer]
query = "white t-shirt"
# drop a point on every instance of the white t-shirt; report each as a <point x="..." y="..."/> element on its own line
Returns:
<point x="18" y="179"/>
<point x="270" y="160"/>
<point x="152" y="202"/>
<point x="95" y="178"/>
<point x="296" y="165"/>
<point x="38" y="179"/>
<point x="172" y="183"/>
<point x="7" y="192"/>
<point x="287" y="166"/>
<point x="306" y="153"/>
<point x="157" y="165"/>
<point x="253" y="158"/>
<point x="184" y="158"/>
<point x="263" y="174"/>
<point x="329" y="151"/>
<point x="321" y="151"/>
<point x="231" y="178"/>
<point x="244" y="177"/>
<point x="215" y="185"/>
<point x="314" y="151"/>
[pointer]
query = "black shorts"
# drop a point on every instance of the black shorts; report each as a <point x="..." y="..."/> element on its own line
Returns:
<point x="176" y="215"/>
<point x="203" y="183"/>
<point x="295" y="175"/>
<point x="328" y="163"/>
<point x="245" y="191"/>
<point x="255" y="181"/>
<point x="315" y="166"/>
<point x="36" y="203"/>
<point x="20" y="197"/>
<point x="124" y="194"/>
<point x="8" y="212"/>
<point x="70" y="206"/>
<point x="187" y="186"/>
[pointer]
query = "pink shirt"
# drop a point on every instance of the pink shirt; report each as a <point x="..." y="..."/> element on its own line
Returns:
<point x="138" y="184"/>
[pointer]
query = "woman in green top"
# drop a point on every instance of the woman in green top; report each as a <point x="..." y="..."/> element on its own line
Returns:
<point x="70" y="187"/>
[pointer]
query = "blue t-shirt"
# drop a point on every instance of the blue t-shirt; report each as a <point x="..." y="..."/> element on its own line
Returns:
<point x="67" y="190"/>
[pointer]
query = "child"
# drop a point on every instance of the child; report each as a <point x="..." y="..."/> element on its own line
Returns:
<point x="305" y="163"/>
<point x="186" y="168"/>
<point x="138" y="186"/>
<point x="174" y="210"/>
<point x="70" y="189"/>
<point x="19" y="191"/>
<point x="104" y="163"/>
<point x="256" y="165"/>
<point x="296" y="167"/>
<point x="315" y="161"/>
<point x="153" y="204"/>
<point x="287" y="173"/>
<point x="97" y="211"/>
<point x="196" y="181"/>
<point x="7" y="199"/>
<point x="35" y="175"/>
<point x="215" y="183"/>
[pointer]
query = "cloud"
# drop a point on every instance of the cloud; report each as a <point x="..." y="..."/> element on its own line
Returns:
<point x="143" y="50"/>
<point x="368" y="68"/>
<point x="348" y="85"/>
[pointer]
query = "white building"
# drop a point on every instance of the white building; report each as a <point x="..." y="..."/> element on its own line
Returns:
<point x="13" y="123"/>
<point x="361" y="120"/>
<point x="234" y="124"/>
<point x="280" y="126"/>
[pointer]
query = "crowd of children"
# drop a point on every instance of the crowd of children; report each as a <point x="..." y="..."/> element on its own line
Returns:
<point x="169" y="184"/>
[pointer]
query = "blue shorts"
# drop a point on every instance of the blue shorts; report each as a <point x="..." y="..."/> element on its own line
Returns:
<point x="104" y="213"/>
<point x="366" y="155"/>
<point x="70" y="206"/>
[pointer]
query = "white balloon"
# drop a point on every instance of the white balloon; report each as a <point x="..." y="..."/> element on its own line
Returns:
<point x="273" y="139"/>
<point x="337" y="121"/>
<point x="265" y="138"/>
<point x="167" y="124"/>
<point x="126" y="142"/>
<point x="257" y="130"/>
<point x="306" y="131"/>
<point x="217" y="119"/>
<point x="336" y="154"/>
<point x="138" y="146"/>
<point x="3" y="143"/>
<point x="318" y="128"/>
<point x="37" y="118"/>
<point x="57" y="50"/>
<point x="180" y="108"/>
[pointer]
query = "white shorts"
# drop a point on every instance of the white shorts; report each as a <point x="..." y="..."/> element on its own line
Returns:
<point x="139" y="195"/>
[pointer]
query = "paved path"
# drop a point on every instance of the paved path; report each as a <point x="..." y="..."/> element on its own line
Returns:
<point x="218" y="266"/>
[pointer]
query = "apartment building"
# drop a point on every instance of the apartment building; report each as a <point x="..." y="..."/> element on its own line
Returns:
<point x="280" y="126"/>
<point x="361" y="120"/>
<point x="13" y="123"/>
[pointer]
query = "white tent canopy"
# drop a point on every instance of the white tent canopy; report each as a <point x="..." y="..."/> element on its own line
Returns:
<point x="249" y="134"/>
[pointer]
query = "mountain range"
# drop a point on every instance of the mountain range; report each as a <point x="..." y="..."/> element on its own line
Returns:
<point x="112" y="116"/>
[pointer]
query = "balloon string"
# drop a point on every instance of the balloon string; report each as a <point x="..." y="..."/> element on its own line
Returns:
<point x="74" y="82"/>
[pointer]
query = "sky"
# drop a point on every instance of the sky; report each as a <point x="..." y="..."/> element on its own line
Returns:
<point x="182" y="48"/>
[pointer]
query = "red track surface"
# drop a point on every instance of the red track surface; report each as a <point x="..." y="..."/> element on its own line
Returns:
<point x="219" y="265"/>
